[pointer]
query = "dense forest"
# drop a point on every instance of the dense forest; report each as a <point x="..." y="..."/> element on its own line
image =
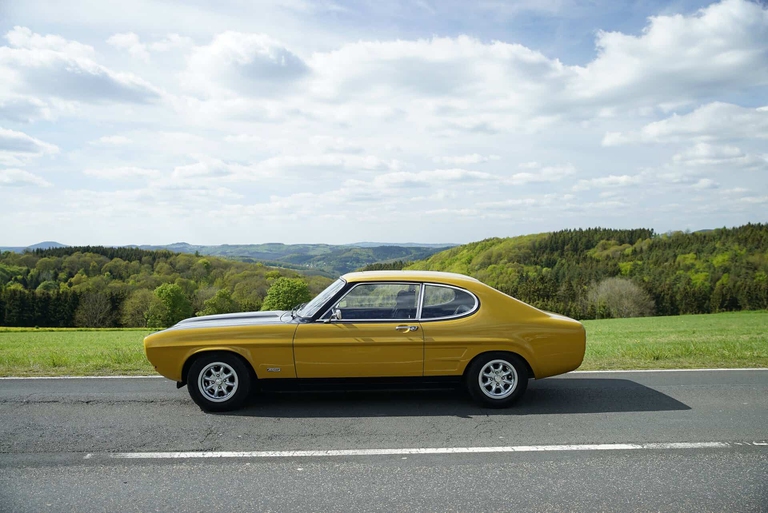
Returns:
<point x="583" y="273"/>
<point x="590" y="273"/>
<point x="114" y="287"/>
<point x="326" y="259"/>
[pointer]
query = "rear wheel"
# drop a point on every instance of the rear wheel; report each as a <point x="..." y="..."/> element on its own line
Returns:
<point x="219" y="382"/>
<point x="496" y="380"/>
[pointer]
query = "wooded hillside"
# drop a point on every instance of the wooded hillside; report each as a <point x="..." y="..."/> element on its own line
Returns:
<point x="681" y="273"/>
<point x="106" y="287"/>
<point x="591" y="273"/>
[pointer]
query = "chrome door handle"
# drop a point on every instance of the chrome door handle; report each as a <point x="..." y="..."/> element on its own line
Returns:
<point x="406" y="329"/>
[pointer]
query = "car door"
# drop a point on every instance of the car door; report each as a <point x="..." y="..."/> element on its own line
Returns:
<point x="374" y="333"/>
<point x="449" y="328"/>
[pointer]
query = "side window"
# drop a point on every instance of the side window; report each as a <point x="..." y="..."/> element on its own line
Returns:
<point x="446" y="302"/>
<point x="378" y="301"/>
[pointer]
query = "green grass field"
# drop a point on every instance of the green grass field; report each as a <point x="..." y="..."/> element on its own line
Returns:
<point x="72" y="352"/>
<point x="686" y="342"/>
<point x="725" y="340"/>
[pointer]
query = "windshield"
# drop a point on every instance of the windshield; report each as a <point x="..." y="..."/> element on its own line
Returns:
<point x="313" y="306"/>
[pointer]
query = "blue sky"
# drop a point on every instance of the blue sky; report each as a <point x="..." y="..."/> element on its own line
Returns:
<point x="295" y="121"/>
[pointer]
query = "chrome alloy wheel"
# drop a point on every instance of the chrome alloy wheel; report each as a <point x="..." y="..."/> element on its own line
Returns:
<point x="498" y="379"/>
<point x="218" y="382"/>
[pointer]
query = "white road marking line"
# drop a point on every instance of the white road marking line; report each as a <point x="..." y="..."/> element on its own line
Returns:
<point x="572" y="372"/>
<point x="83" y="377"/>
<point x="427" y="450"/>
<point x="666" y="370"/>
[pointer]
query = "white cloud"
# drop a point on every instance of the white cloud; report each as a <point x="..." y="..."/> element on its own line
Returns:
<point x="18" y="142"/>
<point x="508" y="204"/>
<point x="122" y="173"/>
<point x="204" y="168"/>
<point x="545" y="174"/>
<point x="754" y="200"/>
<point x="435" y="177"/>
<point x="52" y="65"/>
<point x="22" y="37"/>
<point x="727" y="158"/>
<point x="706" y="183"/>
<point x="244" y="138"/>
<point x="486" y="88"/>
<point x="608" y="181"/>
<point x="112" y="140"/>
<point x="16" y="148"/>
<point x="248" y="64"/>
<point x="132" y="44"/>
<point x="329" y="161"/>
<point x="20" y="178"/>
<point x="372" y="131"/>
<point x="710" y="122"/>
<point x="23" y="109"/>
<point x="681" y="57"/>
<point x="335" y="144"/>
<point x="171" y="42"/>
<point x="462" y="160"/>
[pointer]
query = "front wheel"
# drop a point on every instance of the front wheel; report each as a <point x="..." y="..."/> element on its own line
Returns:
<point x="496" y="380"/>
<point x="218" y="382"/>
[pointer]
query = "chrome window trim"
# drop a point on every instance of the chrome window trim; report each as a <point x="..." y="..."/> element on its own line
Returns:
<point x="463" y="314"/>
<point x="416" y="319"/>
<point x="340" y="279"/>
<point x="421" y="302"/>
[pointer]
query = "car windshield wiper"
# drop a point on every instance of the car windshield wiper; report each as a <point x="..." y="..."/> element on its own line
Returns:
<point x="296" y="309"/>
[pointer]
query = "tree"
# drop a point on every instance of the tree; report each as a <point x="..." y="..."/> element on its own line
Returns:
<point x="250" y="294"/>
<point x="94" y="311"/>
<point x="137" y="308"/>
<point x="286" y="293"/>
<point x="221" y="303"/>
<point x="48" y="286"/>
<point x="178" y="306"/>
<point x="157" y="315"/>
<point x="618" y="298"/>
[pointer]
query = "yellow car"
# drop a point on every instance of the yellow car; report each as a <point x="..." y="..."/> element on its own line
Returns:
<point x="380" y="325"/>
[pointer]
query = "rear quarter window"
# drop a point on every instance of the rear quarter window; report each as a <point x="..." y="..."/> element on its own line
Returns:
<point x="441" y="302"/>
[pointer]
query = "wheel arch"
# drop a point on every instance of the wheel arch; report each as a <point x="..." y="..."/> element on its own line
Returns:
<point x="207" y="352"/>
<point x="531" y="374"/>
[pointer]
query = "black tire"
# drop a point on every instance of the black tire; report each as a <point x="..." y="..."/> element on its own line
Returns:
<point x="497" y="393"/>
<point x="228" y="378"/>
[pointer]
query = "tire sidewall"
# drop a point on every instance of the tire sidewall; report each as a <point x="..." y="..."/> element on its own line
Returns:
<point x="243" y="379"/>
<point x="473" y="386"/>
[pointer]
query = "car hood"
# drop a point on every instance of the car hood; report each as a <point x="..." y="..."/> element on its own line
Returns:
<point x="234" y="319"/>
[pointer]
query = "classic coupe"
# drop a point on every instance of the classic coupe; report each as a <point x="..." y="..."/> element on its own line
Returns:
<point x="382" y="326"/>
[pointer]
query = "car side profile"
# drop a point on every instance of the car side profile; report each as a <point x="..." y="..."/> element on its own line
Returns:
<point x="382" y="325"/>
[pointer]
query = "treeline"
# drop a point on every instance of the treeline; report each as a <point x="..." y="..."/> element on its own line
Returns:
<point x="590" y="273"/>
<point x="566" y="271"/>
<point x="129" y="287"/>
<point x="386" y="266"/>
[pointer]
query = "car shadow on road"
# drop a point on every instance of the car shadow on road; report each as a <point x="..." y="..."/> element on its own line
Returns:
<point x="555" y="396"/>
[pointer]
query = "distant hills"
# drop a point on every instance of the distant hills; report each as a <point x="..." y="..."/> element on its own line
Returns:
<point x="326" y="258"/>
<point x="48" y="244"/>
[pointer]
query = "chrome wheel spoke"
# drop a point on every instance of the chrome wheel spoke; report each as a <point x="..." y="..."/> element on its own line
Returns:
<point x="218" y="382"/>
<point x="498" y="379"/>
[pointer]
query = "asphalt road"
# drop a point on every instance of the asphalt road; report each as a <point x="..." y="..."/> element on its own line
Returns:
<point x="57" y="439"/>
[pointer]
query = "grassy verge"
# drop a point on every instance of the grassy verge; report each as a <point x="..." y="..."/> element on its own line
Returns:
<point x="686" y="342"/>
<point x="72" y="352"/>
<point x="734" y="339"/>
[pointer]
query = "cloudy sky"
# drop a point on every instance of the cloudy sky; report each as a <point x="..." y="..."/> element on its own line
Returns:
<point x="336" y="121"/>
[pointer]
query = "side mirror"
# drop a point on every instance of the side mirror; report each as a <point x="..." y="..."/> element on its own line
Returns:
<point x="335" y="316"/>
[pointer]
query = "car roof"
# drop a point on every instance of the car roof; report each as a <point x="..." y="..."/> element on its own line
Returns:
<point x="428" y="276"/>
